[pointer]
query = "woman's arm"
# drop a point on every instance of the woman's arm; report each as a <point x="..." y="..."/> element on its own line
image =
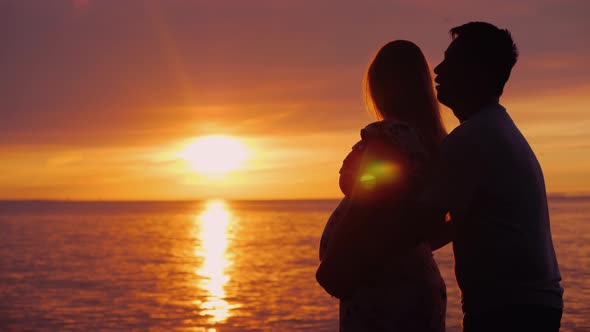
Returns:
<point x="350" y="169"/>
<point x="336" y="215"/>
<point x="365" y="234"/>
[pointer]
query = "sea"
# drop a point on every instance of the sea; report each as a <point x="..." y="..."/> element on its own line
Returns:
<point x="211" y="265"/>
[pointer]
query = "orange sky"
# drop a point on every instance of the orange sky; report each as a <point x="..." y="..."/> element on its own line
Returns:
<point x="98" y="97"/>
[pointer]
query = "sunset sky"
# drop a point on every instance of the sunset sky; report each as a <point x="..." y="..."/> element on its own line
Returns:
<point x="100" y="99"/>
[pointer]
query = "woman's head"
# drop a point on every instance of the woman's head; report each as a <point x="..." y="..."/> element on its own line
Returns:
<point x="398" y="86"/>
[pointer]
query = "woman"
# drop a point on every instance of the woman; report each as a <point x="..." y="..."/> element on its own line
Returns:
<point x="372" y="254"/>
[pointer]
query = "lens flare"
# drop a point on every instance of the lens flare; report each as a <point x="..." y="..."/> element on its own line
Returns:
<point x="380" y="172"/>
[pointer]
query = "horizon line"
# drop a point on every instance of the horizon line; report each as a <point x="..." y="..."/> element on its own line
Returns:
<point x="57" y="200"/>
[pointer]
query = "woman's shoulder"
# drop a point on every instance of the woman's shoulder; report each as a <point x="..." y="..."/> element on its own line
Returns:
<point x="386" y="128"/>
<point x="393" y="132"/>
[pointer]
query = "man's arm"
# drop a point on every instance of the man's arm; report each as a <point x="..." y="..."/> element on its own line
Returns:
<point x="455" y="181"/>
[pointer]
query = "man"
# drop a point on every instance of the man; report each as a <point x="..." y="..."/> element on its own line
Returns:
<point x="493" y="190"/>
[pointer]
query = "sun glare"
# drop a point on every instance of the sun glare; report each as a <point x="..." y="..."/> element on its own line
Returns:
<point x="215" y="154"/>
<point x="214" y="224"/>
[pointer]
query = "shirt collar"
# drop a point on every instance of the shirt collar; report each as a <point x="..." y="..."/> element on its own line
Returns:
<point x="488" y="109"/>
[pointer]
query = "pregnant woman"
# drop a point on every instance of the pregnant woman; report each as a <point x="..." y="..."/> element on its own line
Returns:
<point x="373" y="256"/>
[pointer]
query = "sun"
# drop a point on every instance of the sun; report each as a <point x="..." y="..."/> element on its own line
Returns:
<point x="215" y="154"/>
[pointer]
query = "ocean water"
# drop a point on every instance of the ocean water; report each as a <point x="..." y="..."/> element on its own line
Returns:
<point x="205" y="266"/>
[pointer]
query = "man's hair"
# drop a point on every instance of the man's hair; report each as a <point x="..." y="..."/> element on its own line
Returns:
<point x="492" y="48"/>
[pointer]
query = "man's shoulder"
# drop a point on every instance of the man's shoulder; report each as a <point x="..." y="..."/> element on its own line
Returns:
<point x="461" y="131"/>
<point x="482" y="127"/>
<point x="461" y="138"/>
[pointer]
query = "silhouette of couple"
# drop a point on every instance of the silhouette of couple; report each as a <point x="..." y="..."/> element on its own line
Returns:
<point x="410" y="189"/>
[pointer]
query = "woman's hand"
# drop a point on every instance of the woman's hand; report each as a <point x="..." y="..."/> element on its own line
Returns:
<point x="383" y="177"/>
<point x="350" y="169"/>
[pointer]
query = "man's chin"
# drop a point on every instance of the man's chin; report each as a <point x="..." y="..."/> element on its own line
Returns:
<point x="442" y="98"/>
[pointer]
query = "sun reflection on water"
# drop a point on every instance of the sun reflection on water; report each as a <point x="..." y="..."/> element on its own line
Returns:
<point x="214" y="224"/>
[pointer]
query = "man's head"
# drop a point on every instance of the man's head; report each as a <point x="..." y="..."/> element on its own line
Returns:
<point x="476" y="67"/>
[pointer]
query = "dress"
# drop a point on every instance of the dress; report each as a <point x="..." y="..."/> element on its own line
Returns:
<point x="413" y="297"/>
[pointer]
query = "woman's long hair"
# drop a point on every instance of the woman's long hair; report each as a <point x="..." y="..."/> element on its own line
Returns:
<point x="399" y="86"/>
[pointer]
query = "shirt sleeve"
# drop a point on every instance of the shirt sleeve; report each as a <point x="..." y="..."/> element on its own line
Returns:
<point x="392" y="163"/>
<point x="458" y="176"/>
<point x="350" y="169"/>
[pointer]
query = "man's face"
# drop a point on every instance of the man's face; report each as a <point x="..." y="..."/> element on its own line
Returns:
<point x="455" y="78"/>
